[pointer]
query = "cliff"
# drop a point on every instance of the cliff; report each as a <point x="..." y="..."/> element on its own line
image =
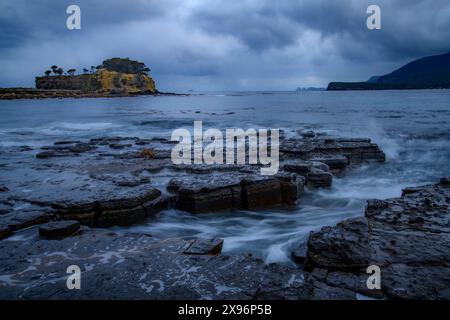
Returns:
<point x="103" y="81"/>
<point x="426" y="73"/>
<point x="84" y="82"/>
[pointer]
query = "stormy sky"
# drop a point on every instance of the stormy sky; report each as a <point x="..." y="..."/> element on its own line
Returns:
<point x="223" y="45"/>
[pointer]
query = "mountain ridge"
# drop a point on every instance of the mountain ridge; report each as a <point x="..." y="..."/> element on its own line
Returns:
<point x="431" y="72"/>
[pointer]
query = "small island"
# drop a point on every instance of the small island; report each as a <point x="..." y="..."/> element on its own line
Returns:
<point x="115" y="77"/>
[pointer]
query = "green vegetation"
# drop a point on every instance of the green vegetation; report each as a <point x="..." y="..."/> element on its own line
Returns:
<point x="124" y="65"/>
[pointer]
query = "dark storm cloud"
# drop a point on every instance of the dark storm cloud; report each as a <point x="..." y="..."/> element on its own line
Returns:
<point x="410" y="27"/>
<point x="21" y="20"/>
<point x="217" y="44"/>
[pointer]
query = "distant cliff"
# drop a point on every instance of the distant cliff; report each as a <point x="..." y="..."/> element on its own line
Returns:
<point x="427" y="73"/>
<point x="113" y="76"/>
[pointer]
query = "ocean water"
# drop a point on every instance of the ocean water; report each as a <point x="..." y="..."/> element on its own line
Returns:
<point x="412" y="127"/>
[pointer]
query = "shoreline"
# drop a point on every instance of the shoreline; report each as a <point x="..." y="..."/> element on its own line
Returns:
<point x="335" y="266"/>
<point x="40" y="94"/>
<point x="121" y="181"/>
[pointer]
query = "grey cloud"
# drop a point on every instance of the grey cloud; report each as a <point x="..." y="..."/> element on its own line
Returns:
<point x="219" y="44"/>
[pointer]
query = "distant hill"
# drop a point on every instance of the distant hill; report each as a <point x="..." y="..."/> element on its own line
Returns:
<point x="426" y="73"/>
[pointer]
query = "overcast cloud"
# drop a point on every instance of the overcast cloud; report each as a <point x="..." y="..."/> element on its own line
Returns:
<point x="223" y="45"/>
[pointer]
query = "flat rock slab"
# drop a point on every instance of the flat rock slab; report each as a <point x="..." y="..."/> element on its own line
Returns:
<point x="18" y="215"/>
<point x="108" y="181"/>
<point x="131" y="266"/>
<point x="59" y="229"/>
<point x="355" y="150"/>
<point x="205" y="246"/>
<point x="407" y="237"/>
<point x="335" y="163"/>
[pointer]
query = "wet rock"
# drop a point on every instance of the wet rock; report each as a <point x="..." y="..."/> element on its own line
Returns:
<point x="59" y="229"/>
<point x="204" y="247"/>
<point x="25" y="148"/>
<point x="130" y="266"/>
<point x="64" y="150"/>
<point x="5" y="208"/>
<point x="335" y="163"/>
<point x="445" y="181"/>
<point x="234" y="191"/>
<point x="299" y="254"/>
<point x="298" y="166"/>
<point x="321" y="166"/>
<point x="355" y="150"/>
<point x="5" y="231"/>
<point x="66" y="142"/>
<point x="119" y="145"/>
<point x="132" y="182"/>
<point x="308" y="134"/>
<point x="407" y="237"/>
<point x="15" y="220"/>
<point x="259" y="192"/>
<point x="319" y="179"/>
<point x="402" y="281"/>
<point x="345" y="246"/>
<point x="212" y="193"/>
<point x="322" y="291"/>
<point x="104" y="141"/>
<point x="142" y="142"/>
<point x="106" y="208"/>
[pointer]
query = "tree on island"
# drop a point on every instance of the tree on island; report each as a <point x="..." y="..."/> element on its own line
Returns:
<point x="71" y="72"/>
<point x="124" y="65"/>
<point x="54" y="68"/>
<point x="85" y="70"/>
<point x="47" y="73"/>
<point x="59" y="71"/>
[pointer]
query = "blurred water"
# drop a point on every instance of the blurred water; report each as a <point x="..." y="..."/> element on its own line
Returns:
<point x="412" y="127"/>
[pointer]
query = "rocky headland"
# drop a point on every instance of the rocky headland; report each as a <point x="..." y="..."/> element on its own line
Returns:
<point x="115" y="77"/>
<point x="56" y="204"/>
<point x="431" y="72"/>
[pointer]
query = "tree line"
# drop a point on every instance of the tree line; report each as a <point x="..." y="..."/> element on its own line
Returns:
<point x="58" y="71"/>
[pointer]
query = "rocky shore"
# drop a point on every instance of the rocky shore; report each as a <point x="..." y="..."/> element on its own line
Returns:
<point x="32" y="93"/>
<point x="54" y="201"/>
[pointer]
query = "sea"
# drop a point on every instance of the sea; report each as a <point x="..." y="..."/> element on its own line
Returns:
<point x="412" y="127"/>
